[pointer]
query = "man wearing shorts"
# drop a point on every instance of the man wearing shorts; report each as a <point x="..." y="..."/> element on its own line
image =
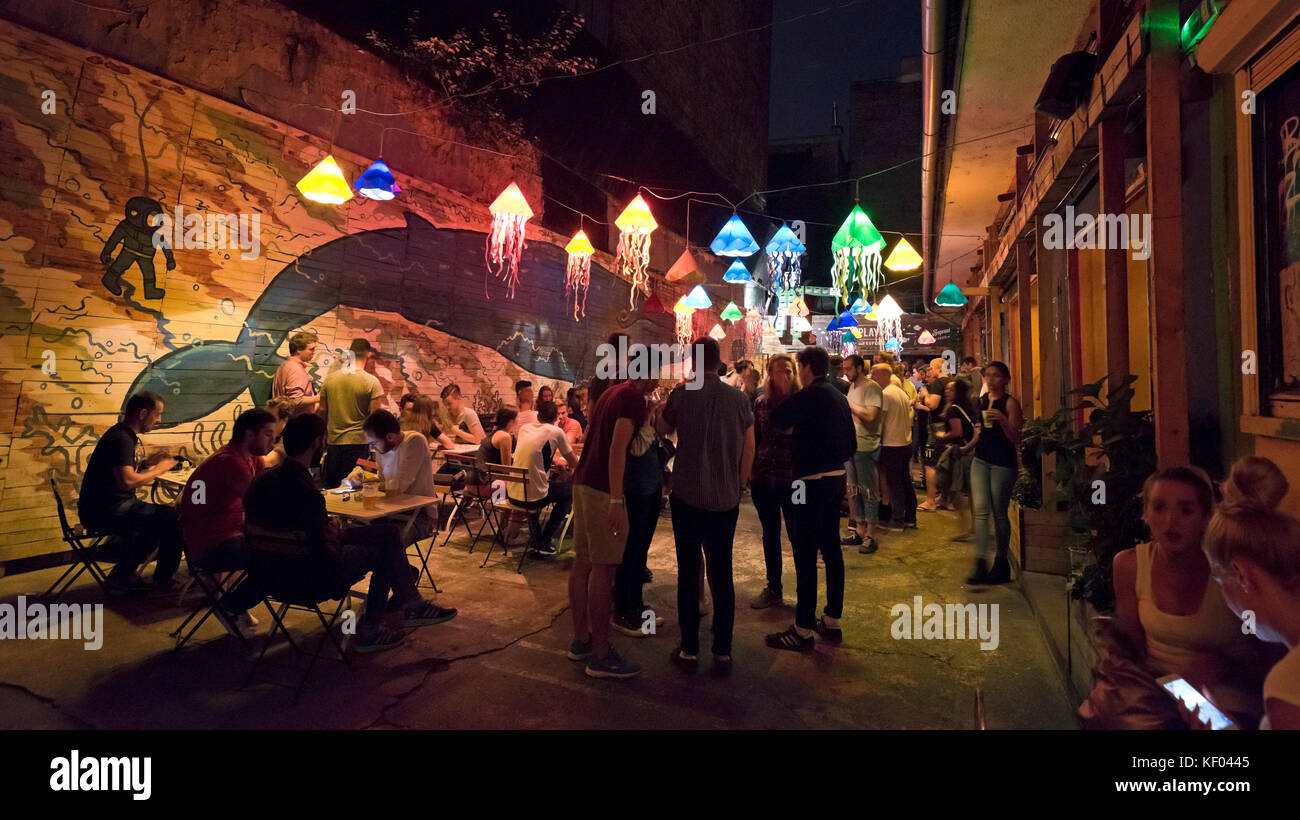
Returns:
<point x="600" y="525"/>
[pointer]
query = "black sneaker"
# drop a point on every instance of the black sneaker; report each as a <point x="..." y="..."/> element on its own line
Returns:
<point x="1000" y="573"/>
<point x="853" y="539"/>
<point x="832" y="634"/>
<point x="980" y="577"/>
<point x="545" y="549"/>
<point x="869" y="546"/>
<point x="791" y="640"/>
<point x="649" y="576"/>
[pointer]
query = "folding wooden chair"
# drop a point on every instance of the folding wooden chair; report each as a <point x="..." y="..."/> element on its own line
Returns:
<point x="282" y="562"/>
<point x="86" y="549"/>
<point x="511" y="476"/>
<point x="214" y="587"/>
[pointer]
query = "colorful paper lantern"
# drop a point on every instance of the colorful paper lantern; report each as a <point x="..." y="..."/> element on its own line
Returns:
<point x="731" y="313"/>
<point x="950" y="296"/>
<point x="893" y="345"/>
<point x="904" y="257"/>
<point x="860" y="306"/>
<point x="505" y="243"/>
<point x="652" y="306"/>
<point x="734" y="239"/>
<point x="800" y="324"/>
<point x="856" y="252"/>
<point x="685" y="270"/>
<point x="737" y="272"/>
<point x="889" y="317"/>
<point x="325" y="183"/>
<point x="683" y="313"/>
<point x="717" y="332"/>
<point x="846" y="320"/>
<point x="833" y="325"/>
<point x="796" y="307"/>
<point x="783" y="252"/>
<point x="577" y="274"/>
<point x="635" y="225"/>
<point x="926" y="338"/>
<point x="753" y="329"/>
<point x="378" y="182"/>
<point x="849" y="337"/>
<point x="698" y="298"/>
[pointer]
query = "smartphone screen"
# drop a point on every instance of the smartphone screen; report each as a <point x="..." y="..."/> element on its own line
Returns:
<point x="1196" y="702"/>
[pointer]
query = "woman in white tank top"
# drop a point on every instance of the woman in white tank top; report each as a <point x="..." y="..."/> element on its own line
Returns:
<point x="1169" y="604"/>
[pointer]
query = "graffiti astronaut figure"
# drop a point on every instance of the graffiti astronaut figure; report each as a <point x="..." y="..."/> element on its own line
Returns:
<point x="136" y="236"/>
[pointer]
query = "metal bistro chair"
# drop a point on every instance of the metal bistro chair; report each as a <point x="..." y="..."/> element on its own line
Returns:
<point x="281" y="560"/>
<point x="507" y="476"/>
<point x="470" y="496"/>
<point x="87" y="547"/>
<point x="214" y="588"/>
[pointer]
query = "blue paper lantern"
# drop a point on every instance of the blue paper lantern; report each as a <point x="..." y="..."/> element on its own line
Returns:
<point x="847" y="320"/>
<point x="697" y="298"/>
<point x="783" y="252"/>
<point x="860" y="306"/>
<point x="734" y="239"/>
<point x="893" y="344"/>
<point x="378" y="182"/>
<point x="738" y="272"/>
<point x="834" y="324"/>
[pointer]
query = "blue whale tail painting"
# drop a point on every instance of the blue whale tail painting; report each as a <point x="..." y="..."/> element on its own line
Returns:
<point x="425" y="274"/>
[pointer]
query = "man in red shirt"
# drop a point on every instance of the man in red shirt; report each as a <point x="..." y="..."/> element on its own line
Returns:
<point x="212" y="504"/>
<point x="600" y="525"/>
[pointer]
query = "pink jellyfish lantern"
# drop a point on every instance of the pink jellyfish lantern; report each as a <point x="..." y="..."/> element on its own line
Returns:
<point x="505" y="243"/>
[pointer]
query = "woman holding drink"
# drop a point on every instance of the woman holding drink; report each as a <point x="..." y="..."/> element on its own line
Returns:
<point x="993" y="473"/>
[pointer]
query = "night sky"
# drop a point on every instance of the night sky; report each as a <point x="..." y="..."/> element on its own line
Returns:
<point x="815" y="59"/>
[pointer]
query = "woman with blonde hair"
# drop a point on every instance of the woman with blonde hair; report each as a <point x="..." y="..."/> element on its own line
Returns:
<point x="1167" y="604"/>
<point x="1254" y="554"/>
<point x="771" y="475"/>
<point x="419" y="417"/>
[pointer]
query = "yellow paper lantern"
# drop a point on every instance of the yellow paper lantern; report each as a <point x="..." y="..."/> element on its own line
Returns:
<point x="325" y="183"/>
<point x="903" y="257"/>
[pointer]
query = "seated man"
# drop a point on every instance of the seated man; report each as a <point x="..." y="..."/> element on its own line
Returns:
<point x="212" y="508"/>
<point x="404" y="458"/>
<point x="285" y="499"/>
<point x="538" y="441"/>
<point x="526" y="402"/>
<point x="457" y="418"/>
<point x="108" y="504"/>
<point x="566" y="422"/>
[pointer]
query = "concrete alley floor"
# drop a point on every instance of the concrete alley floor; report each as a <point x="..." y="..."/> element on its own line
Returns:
<point x="501" y="663"/>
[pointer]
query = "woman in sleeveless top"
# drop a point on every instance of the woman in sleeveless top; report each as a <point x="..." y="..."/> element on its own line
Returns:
<point x="496" y="448"/>
<point x="992" y="474"/>
<point x="1167" y="601"/>
<point x="1254" y="554"/>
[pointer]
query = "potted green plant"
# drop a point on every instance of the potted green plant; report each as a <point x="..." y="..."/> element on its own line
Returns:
<point x="1098" y="472"/>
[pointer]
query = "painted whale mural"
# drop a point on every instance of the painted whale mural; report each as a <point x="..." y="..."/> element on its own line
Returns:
<point x="421" y="272"/>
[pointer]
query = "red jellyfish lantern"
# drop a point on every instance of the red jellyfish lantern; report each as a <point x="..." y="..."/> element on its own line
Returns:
<point x="578" y="273"/>
<point x="505" y="244"/>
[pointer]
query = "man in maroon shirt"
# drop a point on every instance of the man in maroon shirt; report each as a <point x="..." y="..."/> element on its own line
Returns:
<point x="600" y="525"/>
<point x="212" y="504"/>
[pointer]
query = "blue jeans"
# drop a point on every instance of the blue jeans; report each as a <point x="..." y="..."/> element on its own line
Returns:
<point x="990" y="494"/>
<point x="864" y="496"/>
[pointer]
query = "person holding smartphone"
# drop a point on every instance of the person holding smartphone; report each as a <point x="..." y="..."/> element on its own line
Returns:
<point x="1167" y="604"/>
<point x="1253" y="551"/>
<point x="992" y="474"/>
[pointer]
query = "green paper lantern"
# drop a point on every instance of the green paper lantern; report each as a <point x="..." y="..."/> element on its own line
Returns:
<point x="856" y="250"/>
<point x="950" y="296"/>
<point x="731" y="313"/>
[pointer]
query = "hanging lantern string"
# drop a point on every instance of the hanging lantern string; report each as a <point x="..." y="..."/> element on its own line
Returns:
<point x="734" y="206"/>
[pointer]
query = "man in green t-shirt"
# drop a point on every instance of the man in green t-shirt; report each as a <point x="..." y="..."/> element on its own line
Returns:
<point x="347" y="396"/>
